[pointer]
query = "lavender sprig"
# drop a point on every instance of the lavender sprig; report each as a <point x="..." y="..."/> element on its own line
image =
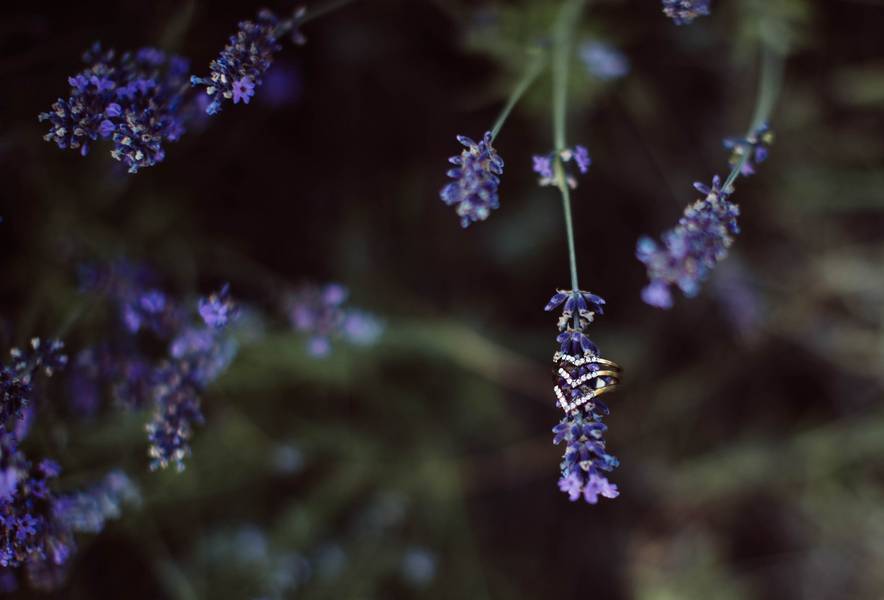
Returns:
<point x="580" y="377"/>
<point x="703" y="235"/>
<point x="477" y="171"/>
<point x="240" y="66"/>
<point x="706" y="230"/>
<point x="692" y="249"/>
<point x="476" y="174"/>
<point x="580" y="374"/>
<point x="197" y="356"/>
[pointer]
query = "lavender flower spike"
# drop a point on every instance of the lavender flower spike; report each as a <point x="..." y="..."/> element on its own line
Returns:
<point x="197" y="356"/>
<point x="248" y="54"/>
<point x="476" y="173"/>
<point x="692" y="249"/>
<point x="581" y="376"/>
<point x="683" y="12"/>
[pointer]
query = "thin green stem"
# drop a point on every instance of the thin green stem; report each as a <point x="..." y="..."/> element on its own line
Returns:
<point x="563" y="34"/>
<point x="326" y="8"/>
<point x="535" y="67"/>
<point x="569" y="223"/>
<point x="769" y="85"/>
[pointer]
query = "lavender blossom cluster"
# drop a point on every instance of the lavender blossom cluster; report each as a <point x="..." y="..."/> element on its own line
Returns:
<point x="579" y="374"/>
<point x="476" y="174"/>
<point x="198" y="355"/>
<point x="38" y="524"/>
<point x="320" y="313"/>
<point x="140" y="101"/>
<point x="246" y="57"/>
<point x="706" y="230"/>
<point x="198" y="352"/>
<point x="134" y="100"/>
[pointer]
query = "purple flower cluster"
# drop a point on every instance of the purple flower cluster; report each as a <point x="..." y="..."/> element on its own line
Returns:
<point x="198" y="355"/>
<point x="692" y="249"/>
<point x="476" y="174"/>
<point x="544" y="165"/>
<point x="16" y="377"/>
<point x="38" y="525"/>
<point x="580" y="377"/>
<point x="585" y="462"/>
<point x="321" y="314"/>
<point x="750" y="151"/>
<point x="135" y="100"/>
<point x="248" y="54"/>
<point x="683" y="12"/>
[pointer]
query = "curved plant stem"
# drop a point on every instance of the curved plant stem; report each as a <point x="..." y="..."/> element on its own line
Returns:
<point x="535" y="67"/>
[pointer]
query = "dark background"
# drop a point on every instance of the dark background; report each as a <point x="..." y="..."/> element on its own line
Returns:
<point x="750" y="427"/>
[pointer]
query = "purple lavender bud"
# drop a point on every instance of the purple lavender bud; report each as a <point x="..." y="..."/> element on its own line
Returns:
<point x="751" y="150"/>
<point x="572" y="484"/>
<point x="153" y="301"/>
<point x="243" y="90"/>
<point x="543" y="166"/>
<point x="597" y="486"/>
<point x="683" y="12"/>
<point x="657" y="294"/>
<point x="558" y="298"/>
<point x="8" y="483"/>
<point x="581" y="157"/>
<point x="474" y="191"/>
<point x="218" y="309"/>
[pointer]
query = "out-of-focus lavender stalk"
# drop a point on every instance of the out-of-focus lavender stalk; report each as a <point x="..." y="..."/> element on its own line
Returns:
<point x="701" y="239"/>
